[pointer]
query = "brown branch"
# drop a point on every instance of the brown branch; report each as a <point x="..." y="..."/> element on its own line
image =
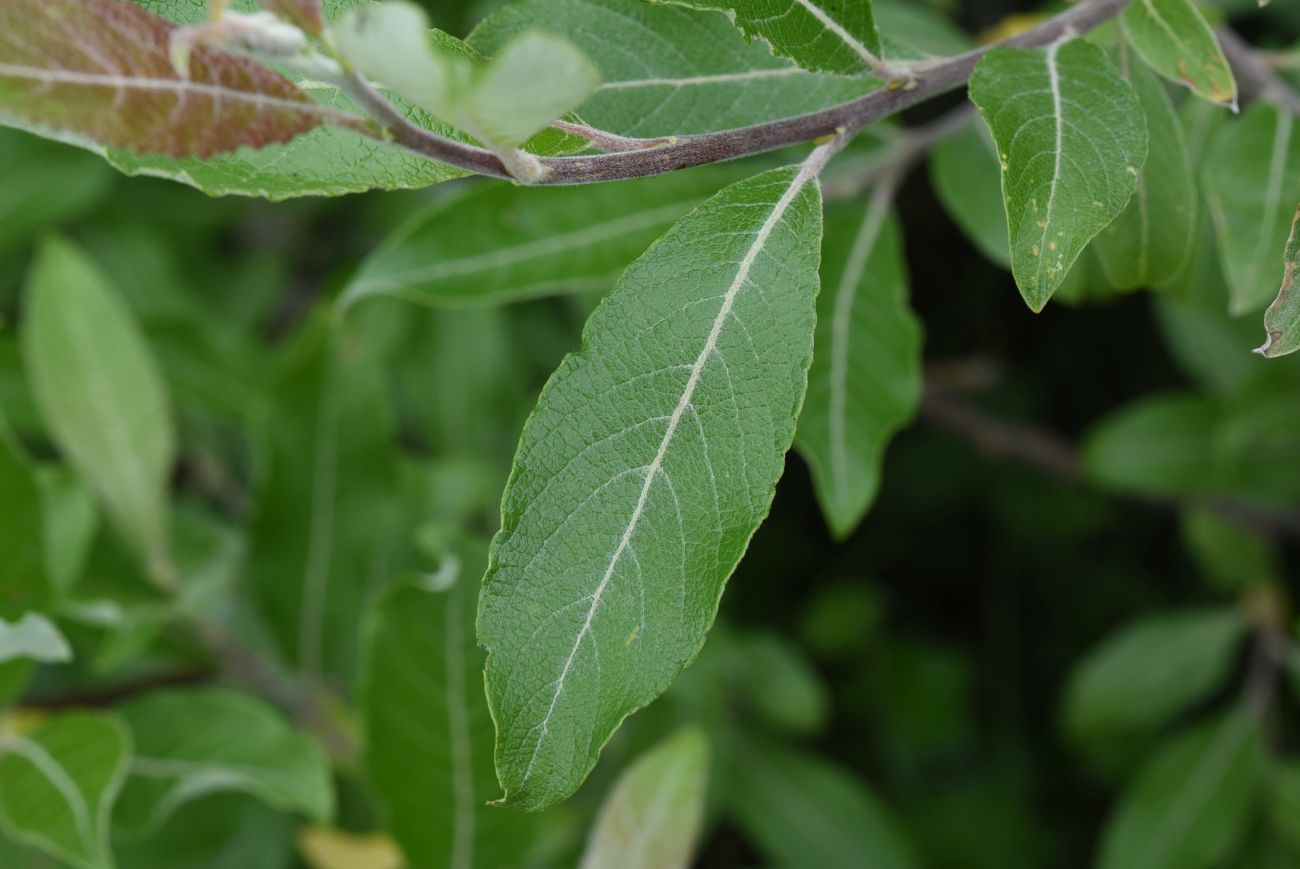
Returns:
<point x="1255" y="78"/>
<point x="686" y="151"/>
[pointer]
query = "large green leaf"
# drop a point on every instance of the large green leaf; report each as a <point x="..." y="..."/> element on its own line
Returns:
<point x="1151" y="670"/>
<point x="650" y="460"/>
<point x="836" y="37"/>
<point x="1150" y="243"/>
<point x="866" y="376"/>
<point x="1252" y="181"/>
<point x="1282" y="319"/>
<point x="651" y="818"/>
<point x="428" y="730"/>
<point x="669" y="71"/>
<point x="1072" y="140"/>
<point x="101" y="394"/>
<point x="1173" y="37"/>
<point x="511" y="243"/>
<point x="1191" y="802"/>
<point x="58" y="783"/>
<point x="190" y="743"/>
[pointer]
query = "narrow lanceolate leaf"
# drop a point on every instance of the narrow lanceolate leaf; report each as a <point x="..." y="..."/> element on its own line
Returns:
<point x="651" y="818"/>
<point x="58" y="784"/>
<point x="1252" y="179"/>
<point x="305" y="14"/>
<point x="669" y="71"/>
<point x="101" y="394"/>
<point x="1150" y="243"/>
<point x="428" y="731"/>
<point x="192" y="743"/>
<point x="1173" y="37"/>
<point x="1072" y="139"/>
<point x="866" y="375"/>
<point x="1282" y="319"/>
<point x="650" y="460"/>
<point x="511" y="243"/>
<point x="33" y="638"/>
<point x="99" y="71"/>
<point x="1191" y="802"/>
<point x="835" y="36"/>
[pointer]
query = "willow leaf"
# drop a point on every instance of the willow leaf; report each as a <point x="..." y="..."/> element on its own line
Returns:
<point x="1282" y="319"/>
<point x="1174" y="38"/>
<point x="1072" y="139"/>
<point x="866" y="375"/>
<point x="838" y="37"/>
<point x="648" y="463"/>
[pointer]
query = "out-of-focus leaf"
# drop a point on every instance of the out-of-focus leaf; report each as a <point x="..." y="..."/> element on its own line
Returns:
<point x="1190" y="803"/>
<point x="1173" y="37"/>
<point x="197" y="741"/>
<point x="1282" y="319"/>
<point x="667" y="71"/>
<point x="1071" y="140"/>
<point x="71" y="522"/>
<point x="42" y="184"/>
<point x="327" y="848"/>
<point x="35" y="638"/>
<point x="24" y="583"/>
<point x="865" y="381"/>
<point x="428" y="730"/>
<point x="652" y="817"/>
<point x="1282" y="802"/>
<point x="1151" y="670"/>
<point x="1232" y="556"/>
<point x="1258" y="442"/>
<point x="1158" y="445"/>
<point x="801" y="810"/>
<point x="58" y="783"/>
<point x="965" y="175"/>
<point x="222" y="830"/>
<point x="306" y="14"/>
<point x="101" y="395"/>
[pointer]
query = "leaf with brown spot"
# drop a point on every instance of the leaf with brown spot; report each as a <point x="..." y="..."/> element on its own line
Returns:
<point x="1282" y="319"/>
<point x="100" y="70"/>
<point x="305" y="14"/>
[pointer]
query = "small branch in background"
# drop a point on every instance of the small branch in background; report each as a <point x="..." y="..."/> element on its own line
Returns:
<point x="901" y="152"/>
<point x="1255" y="77"/>
<point x="104" y="696"/>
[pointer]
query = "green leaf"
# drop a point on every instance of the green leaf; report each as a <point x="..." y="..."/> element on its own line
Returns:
<point x="514" y="243"/>
<point x="668" y="71"/>
<point x="194" y="742"/>
<point x="1072" y="139"/>
<point x="24" y="578"/>
<point x="1150" y="243"/>
<point x="835" y="37"/>
<point x="1177" y="42"/>
<point x="1282" y="319"/>
<point x="533" y="80"/>
<point x="800" y="810"/>
<point x="101" y="395"/>
<point x="1252" y="177"/>
<point x="652" y="817"/>
<point x="668" y="427"/>
<point x="865" y="380"/>
<point x="1149" y="671"/>
<point x="1190" y="803"/>
<point x="428" y="730"/>
<point x="1160" y="445"/>
<point x="35" y="638"/>
<point x="44" y="184"/>
<point x="1232" y="556"/>
<point x="224" y="830"/>
<point x="71" y="522"/>
<point x="58" y="784"/>
<point x="965" y="175"/>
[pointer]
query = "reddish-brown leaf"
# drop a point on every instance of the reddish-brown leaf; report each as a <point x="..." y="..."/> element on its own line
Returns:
<point x="305" y="14"/>
<point x="100" y="70"/>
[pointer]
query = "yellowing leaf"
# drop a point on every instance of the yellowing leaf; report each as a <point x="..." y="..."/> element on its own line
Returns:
<point x="327" y="848"/>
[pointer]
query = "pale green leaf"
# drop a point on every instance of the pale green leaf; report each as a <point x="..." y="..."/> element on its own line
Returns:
<point x="965" y="175"/>
<point x="1252" y="180"/>
<point x="511" y="243"/>
<point x="1173" y="37"/>
<point x="652" y="817"/>
<point x="1150" y="243"/>
<point x="801" y="810"/>
<point x="1071" y="139"/>
<point x="35" y="638"/>
<point x="189" y="743"/>
<point x="1160" y="445"/>
<point x="1282" y="319"/>
<point x="835" y="36"/>
<point x="58" y="784"/>
<point x="1149" y="671"/>
<point x="101" y="394"/>
<point x="428" y="731"/>
<point x="865" y="380"/>
<point x="649" y="462"/>
<point x="1190" y="803"/>
<point x="668" y="71"/>
<point x="71" y="522"/>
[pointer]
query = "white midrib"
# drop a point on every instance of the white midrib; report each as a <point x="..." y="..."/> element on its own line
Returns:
<point x="841" y="320"/>
<point x="806" y="172"/>
<point x="462" y="837"/>
<point x="37" y="756"/>
<point x="835" y="27"/>
<point x="719" y="78"/>
<point x="180" y="87"/>
<point x="1058" y="110"/>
